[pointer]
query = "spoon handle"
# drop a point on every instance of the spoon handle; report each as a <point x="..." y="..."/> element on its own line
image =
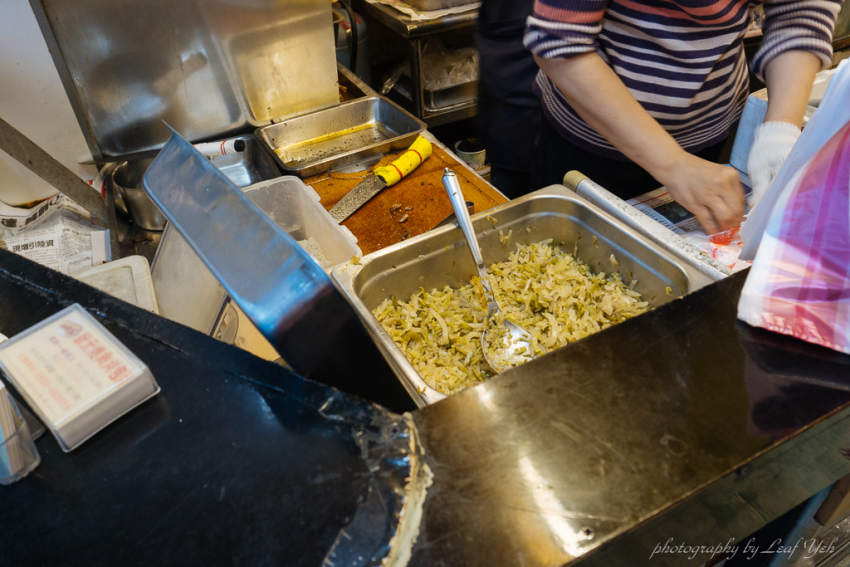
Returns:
<point x="452" y="186"/>
<point x="450" y="182"/>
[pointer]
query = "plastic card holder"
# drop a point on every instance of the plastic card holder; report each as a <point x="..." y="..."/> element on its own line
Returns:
<point x="75" y="375"/>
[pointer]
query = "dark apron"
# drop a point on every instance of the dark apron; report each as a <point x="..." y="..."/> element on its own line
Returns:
<point x="508" y="110"/>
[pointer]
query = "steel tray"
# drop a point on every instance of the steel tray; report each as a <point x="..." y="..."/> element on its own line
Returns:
<point x="440" y="257"/>
<point x="340" y="136"/>
<point x="186" y="290"/>
<point x="444" y="98"/>
<point x="450" y="96"/>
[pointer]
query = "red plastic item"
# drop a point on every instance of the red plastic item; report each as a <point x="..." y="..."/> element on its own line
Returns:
<point x="726" y="237"/>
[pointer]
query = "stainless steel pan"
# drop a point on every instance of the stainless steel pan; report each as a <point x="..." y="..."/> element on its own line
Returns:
<point x="439" y="258"/>
<point x="336" y="137"/>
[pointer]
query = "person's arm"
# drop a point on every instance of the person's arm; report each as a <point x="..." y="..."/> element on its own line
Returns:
<point x="789" y="78"/>
<point x="712" y="192"/>
<point x="797" y="44"/>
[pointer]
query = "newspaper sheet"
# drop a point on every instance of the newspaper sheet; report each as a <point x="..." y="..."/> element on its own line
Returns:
<point x="16" y="219"/>
<point x="724" y="247"/>
<point x="660" y="206"/>
<point x="54" y="233"/>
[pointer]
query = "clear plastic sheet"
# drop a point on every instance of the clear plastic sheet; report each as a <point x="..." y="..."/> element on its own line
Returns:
<point x="443" y="68"/>
<point x="725" y="247"/>
<point x="386" y="524"/>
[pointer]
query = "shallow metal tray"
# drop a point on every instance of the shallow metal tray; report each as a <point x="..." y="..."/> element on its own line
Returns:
<point x="186" y="290"/>
<point x="339" y="136"/>
<point x="450" y="96"/>
<point x="443" y="98"/>
<point x="440" y="257"/>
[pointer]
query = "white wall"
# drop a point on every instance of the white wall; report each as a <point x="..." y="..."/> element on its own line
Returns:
<point x="33" y="100"/>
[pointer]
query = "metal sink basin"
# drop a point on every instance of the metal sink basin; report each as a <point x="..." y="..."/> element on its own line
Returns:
<point x="440" y="257"/>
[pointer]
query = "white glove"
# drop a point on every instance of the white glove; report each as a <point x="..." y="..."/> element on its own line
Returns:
<point x="772" y="143"/>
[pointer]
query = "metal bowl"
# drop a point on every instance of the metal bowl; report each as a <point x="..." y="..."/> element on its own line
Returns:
<point x="127" y="179"/>
<point x="338" y="17"/>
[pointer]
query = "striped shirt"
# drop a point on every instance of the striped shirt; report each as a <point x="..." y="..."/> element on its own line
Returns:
<point x="683" y="60"/>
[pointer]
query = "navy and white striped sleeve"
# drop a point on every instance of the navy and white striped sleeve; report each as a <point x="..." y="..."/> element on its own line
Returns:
<point x="797" y="25"/>
<point x="564" y="28"/>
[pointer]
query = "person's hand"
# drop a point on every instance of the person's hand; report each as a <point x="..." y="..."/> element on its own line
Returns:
<point x="712" y="192"/>
<point x="772" y="143"/>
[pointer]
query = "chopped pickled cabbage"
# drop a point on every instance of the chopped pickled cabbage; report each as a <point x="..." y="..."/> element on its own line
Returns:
<point x="315" y="250"/>
<point x="545" y="290"/>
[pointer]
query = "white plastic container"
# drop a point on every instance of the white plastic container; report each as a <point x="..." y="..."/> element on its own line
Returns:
<point x="128" y="279"/>
<point x="297" y="209"/>
<point x="75" y="375"/>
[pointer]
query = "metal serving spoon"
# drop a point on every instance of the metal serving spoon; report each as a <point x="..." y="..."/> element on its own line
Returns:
<point x="515" y="342"/>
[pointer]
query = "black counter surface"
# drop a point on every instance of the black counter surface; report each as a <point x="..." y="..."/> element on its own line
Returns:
<point x="682" y="424"/>
<point x="233" y="463"/>
<point x="238" y="462"/>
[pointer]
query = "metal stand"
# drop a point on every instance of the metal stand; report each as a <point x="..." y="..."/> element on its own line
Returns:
<point x="415" y="33"/>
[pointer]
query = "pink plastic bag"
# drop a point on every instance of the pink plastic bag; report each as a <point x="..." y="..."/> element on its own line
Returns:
<point x="799" y="284"/>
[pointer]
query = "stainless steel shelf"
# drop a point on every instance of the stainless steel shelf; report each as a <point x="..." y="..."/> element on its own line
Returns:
<point x="437" y="116"/>
<point x="450" y="114"/>
<point x="416" y="33"/>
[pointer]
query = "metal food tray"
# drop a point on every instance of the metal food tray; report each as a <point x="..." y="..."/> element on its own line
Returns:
<point x="442" y="98"/>
<point x="440" y="257"/>
<point x="340" y="136"/>
<point x="186" y="290"/>
<point x="450" y="96"/>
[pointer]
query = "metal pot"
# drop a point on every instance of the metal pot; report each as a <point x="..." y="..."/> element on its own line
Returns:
<point x="127" y="179"/>
<point x="338" y="17"/>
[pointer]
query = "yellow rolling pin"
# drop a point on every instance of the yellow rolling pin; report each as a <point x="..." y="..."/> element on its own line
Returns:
<point x="384" y="177"/>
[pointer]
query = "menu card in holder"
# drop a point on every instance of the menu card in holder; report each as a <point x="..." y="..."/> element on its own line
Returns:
<point x="75" y="375"/>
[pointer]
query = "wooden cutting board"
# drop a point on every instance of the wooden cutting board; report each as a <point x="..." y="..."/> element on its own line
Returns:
<point x="422" y="192"/>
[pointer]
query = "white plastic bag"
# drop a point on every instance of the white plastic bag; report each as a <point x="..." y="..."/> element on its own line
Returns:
<point x="832" y="114"/>
<point x="799" y="284"/>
